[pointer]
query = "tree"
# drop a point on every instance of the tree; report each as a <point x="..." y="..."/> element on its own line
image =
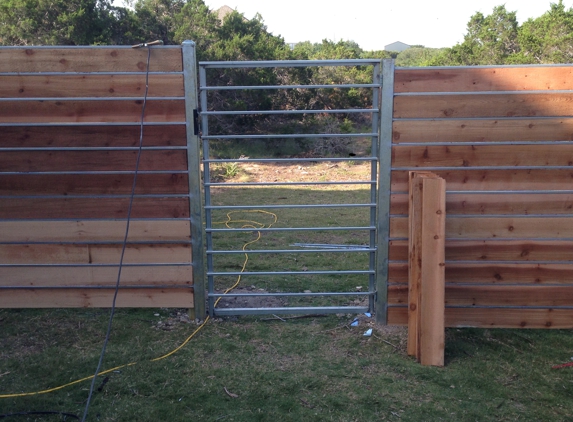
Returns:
<point x="54" y="22"/>
<point x="549" y="38"/>
<point x="491" y="39"/>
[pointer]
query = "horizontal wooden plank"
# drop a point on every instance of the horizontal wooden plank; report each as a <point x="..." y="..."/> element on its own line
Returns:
<point x="494" y="295"/>
<point x="515" y="179"/>
<point x="521" y="273"/>
<point x="100" y="184"/>
<point x="93" y="59"/>
<point x="474" y="79"/>
<point x="91" y="136"/>
<point x="76" y="298"/>
<point x="94" y="276"/>
<point x="483" y="105"/>
<point x="484" y="204"/>
<point x="487" y="130"/>
<point x="482" y="155"/>
<point x="24" y="161"/>
<point x="95" y="254"/>
<point x="30" y="86"/>
<point x="91" y="111"/>
<point x="85" y="208"/>
<point x="495" y="318"/>
<point x="492" y="273"/>
<point x="94" y="231"/>
<point x="494" y="250"/>
<point x="502" y="227"/>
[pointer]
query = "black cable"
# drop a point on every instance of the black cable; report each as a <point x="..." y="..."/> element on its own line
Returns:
<point x="39" y="412"/>
<point x="112" y="313"/>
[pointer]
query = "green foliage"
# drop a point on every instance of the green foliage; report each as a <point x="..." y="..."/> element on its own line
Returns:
<point x="498" y="39"/>
<point x="549" y="38"/>
<point x="417" y="56"/>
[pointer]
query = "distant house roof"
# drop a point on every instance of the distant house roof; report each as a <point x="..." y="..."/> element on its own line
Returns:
<point x="223" y="11"/>
<point x="396" y="46"/>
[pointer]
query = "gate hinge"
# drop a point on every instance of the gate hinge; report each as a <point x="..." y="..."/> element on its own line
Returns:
<point x="195" y="121"/>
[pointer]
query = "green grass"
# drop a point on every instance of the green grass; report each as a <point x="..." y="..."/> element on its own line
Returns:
<point x="311" y="369"/>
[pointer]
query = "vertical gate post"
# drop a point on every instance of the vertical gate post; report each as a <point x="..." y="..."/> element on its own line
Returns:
<point x="383" y="205"/>
<point x="194" y="167"/>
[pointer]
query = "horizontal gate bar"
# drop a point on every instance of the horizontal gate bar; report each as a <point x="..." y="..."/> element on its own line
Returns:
<point x="293" y="310"/>
<point x="293" y="135"/>
<point x="230" y="294"/>
<point x="265" y="251"/>
<point x="245" y="87"/>
<point x="282" y="229"/>
<point x="236" y="273"/>
<point x="288" y="63"/>
<point x="353" y="182"/>
<point x="249" y="207"/>
<point x="250" y="112"/>
<point x="290" y="160"/>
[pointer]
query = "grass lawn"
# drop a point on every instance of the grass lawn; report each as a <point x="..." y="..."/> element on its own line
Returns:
<point x="266" y="369"/>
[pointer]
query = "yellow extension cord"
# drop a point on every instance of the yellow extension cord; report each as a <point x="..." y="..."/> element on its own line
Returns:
<point x="246" y="224"/>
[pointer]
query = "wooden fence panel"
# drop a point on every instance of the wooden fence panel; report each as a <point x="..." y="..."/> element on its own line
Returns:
<point x="502" y="138"/>
<point x="70" y="121"/>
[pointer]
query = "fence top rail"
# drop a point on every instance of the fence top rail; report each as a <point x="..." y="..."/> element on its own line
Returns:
<point x="289" y="63"/>
<point x="493" y="66"/>
<point x="77" y="47"/>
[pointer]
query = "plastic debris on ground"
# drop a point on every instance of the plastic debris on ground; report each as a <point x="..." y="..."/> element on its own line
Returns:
<point x="368" y="332"/>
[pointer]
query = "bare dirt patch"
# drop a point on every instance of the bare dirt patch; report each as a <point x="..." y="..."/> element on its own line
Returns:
<point x="263" y="301"/>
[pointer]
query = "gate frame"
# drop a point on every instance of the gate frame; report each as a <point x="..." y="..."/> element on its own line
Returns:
<point x="380" y="158"/>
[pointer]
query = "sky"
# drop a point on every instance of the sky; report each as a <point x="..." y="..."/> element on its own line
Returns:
<point x="376" y="23"/>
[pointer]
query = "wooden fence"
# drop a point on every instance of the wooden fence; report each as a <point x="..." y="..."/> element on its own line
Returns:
<point x="70" y="130"/>
<point x="502" y="138"/>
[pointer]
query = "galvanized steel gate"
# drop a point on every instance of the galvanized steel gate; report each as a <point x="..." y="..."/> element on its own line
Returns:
<point x="299" y="294"/>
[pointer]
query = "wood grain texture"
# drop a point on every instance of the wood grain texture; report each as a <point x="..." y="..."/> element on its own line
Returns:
<point x="94" y="231"/>
<point x="431" y="326"/>
<point x="101" y="184"/>
<point x="482" y="155"/>
<point x="515" y="179"/>
<point x="121" y="59"/>
<point x="91" y="111"/>
<point x="92" y="276"/>
<point x="90" y="85"/>
<point x="496" y="318"/>
<point x="502" y="227"/>
<point x="415" y="211"/>
<point x="494" y="273"/>
<point x="80" y="208"/>
<point x="487" y="130"/>
<point x="92" y="136"/>
<point x="76" y="298"/>
<point x="495" y="295"/>
<point x="24" y="161"/>
<point x="494" y="250"/>
<point x="505" y="204"/>
<point x="513" y="78"/>
<point x="483" y="105"/>
<point x="93" y="254"/>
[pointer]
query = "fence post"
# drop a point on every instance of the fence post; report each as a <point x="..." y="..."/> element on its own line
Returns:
<point x="426" y="268"/>
<point x="194" y="167"/>
<point x="383" y="203"/>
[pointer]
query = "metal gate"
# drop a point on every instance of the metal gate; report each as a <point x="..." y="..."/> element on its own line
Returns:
<point x="294" y="248"/>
